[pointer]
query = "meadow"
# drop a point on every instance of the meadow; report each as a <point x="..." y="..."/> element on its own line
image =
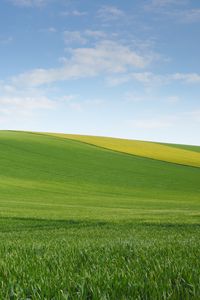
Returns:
<point x="179" y="154"/>
<point x="79" y="221"/>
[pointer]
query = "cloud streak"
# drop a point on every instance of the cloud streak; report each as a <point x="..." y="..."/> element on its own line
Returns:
<point x="110" y="13"/>
<point x="29" y="3"/>
<point x="6" y="40"/>
<point x="150" y="79"/>
<point x="106" y="57"/>
<point x="74" y="37"/>
<point x="15" y="102"/>
<point x="153" y="4"/>
<point x="176" y="10"/>
<point x="75" y="13"/>
<point x="26" y="102"/>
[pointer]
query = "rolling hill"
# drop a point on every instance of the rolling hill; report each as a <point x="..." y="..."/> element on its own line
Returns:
<point x="40" y="171"/>
<point x="97" y="218"/>
<point x="179" y="154"/>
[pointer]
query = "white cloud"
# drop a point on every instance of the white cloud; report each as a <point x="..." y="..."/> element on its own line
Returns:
<point x="4" y="111"/>
<point x="171" y="9"/>
<point x="78" y="13"/>
<point x="26" y="102"/>
<point x="151" y="123"/>
<point x="146" y="78"/>
<point x="68" y="98"/>
<point x="186" y="77"/>
<point x="49" y="30"/>
<point x="194" y="115"/>
<point x="95" y="33"/>
<point x="148" y="96"/>
<point x="183" y="16"/>
<point x="183" y="123"/>
<point x="106" y="57"/>
<point x="17" y="107"/>
<point x="134" y="97"/>
<point x="173" y="99"/>
<point x="152" y="4"/>
<point x="75" y="13"/>
<point x="52" y="29"/>
<point x="79" y="105"/>
<point x="71" y="37"/>
<point x="109" y="12"/>
<point x="151" y="79"/>
<point x="29" y="3"/>
<point x="82" y="37"/>
<point x="16" y="102"/>
<point x="6" y="40"/>
<point x="190" y="16"/>
<point x="75" y="106"/>
<point x="117" y="80"/>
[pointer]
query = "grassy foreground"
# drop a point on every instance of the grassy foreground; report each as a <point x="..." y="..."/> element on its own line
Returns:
<point x="82" y="222"/>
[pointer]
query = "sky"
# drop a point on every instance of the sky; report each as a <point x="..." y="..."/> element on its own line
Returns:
<point x="127" y="69"/>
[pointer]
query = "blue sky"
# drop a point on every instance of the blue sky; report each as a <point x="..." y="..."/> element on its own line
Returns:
<point x="127" y="69"/>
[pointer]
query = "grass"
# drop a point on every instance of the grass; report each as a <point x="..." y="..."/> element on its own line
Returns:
<point x="45" y="259"/>
<point x="83" y="222"/>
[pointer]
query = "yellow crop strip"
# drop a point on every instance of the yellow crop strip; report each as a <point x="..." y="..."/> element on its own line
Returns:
<point x="144" y="149"/>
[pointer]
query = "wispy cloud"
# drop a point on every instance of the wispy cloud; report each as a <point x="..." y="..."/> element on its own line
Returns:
<point x="17" y="107"/>
<point x="78" y="13"/>
<point x="186" y="77"/>
<point x="106" y="57"/>
<point x="151" y="123"/>
<point x="80" y="105"/>
<point x="151" y="79"/>
<point x="26" y="102"/>
<point x="75" y="13"/>
<point x="48" y="30"/>
<point x="109" y="12"/>
<point x="151" y="97"/>
<point x="146" y="78"/>
<point x="176" y="10"/>
<point x="155" y="4"/>
<point x="194" y="115"/>
<point x="169" y="123"/>
<point x="95" y="33"/>
<point x="74" y="37"/>
<point x="187" y="16"/>
<point x="173" y="99"/>
<point x="23" y="101"/>
<point x="133" y="97"/>
<point x="6" y="40"/>
<point x="29" y="3"/>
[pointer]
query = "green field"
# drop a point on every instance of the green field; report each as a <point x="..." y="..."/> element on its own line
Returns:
<point x="79" y="221"/>
<point x="177" y="154"/>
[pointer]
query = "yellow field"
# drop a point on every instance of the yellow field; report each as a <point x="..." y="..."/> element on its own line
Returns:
<point x="145" y="149"/>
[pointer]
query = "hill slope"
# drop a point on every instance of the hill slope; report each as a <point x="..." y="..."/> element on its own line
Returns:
<point x="83" y="222"/>
<point x="184" y="155"/>
<point x="48" y="176"/>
